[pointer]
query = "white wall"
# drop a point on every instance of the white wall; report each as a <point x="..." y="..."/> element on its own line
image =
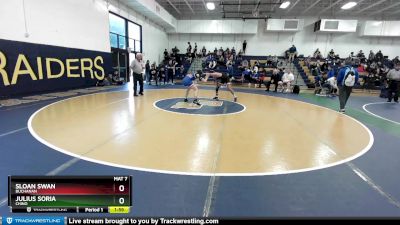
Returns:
<point x="216" y="26"/>
<point x="152" y="9"/>
<point x="82" y="24"/>
<point x="79" y="24"/>
<point x="306" y="41"/>
<point x="154" y="37"/>
<point x="380" y="28"/>
<point x="210" y="41"/>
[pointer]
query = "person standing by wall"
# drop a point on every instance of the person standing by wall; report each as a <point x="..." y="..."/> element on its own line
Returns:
<point x="195" y="49"/>
<point x="170" y="71"/>
<point x="244" y="46"/>
<point x="347" y="78"/>
<point x="147" y="72"/>
<point x="394" y="82"/>
<point x="137" y="73"/>
<point x="153" y="73"/>
<point x="189" y="49"/>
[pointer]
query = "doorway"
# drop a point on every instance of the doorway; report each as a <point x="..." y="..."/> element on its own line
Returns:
<point x="120" y="60"/>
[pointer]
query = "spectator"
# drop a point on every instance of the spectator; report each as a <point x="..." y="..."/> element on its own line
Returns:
<point x="315" y="69"/>
<point x="153" y="73"/>
<point x="331" y="55"/>
<point x="287" y="80"/>
<point x="245" y="64"/>
<point x="240" y="55"/>
<point x="147" y="71"/>
<point x="274" y="61"/>
<point x="244" y="46"/>
<point x="189" y="49"/>
<point x="220" y="52"/>
<point x="379" y="56"/>
<point x="171" y="71"/>
<point x="274" y="80"/>
<point x="317" y="54"/>
<point x="204" y="51"/>
<point x="175" y="50"/>
<point x="165" y="54"/>
<point x="347" y="78"/>
<point x="371" y="56"/>
<point x="395" y="60"/>
<point x="229" y="68"/>
<point x="248" y="75"/>
<point x="360" y="68"/>
<point x="318" y="81"/>
<point x="257" y="78"/>
<point x="161" y="72"/>
<point x="324" y="67"/>
<point x="331" y="84"/>
<point x="292" y="53"/>
<point x="360" y="54"/>
<point x="182" y="71"/>
<point x="195" y="48"/>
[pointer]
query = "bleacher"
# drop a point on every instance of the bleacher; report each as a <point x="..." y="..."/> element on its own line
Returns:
<point x="299" y="64"/>
<point x="304" y="73"/>
<point x="309" y="79"/>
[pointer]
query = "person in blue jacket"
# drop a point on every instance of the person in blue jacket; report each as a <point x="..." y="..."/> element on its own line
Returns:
<point x="347" y="78"/>
<point x="331" y="72"/>
<point x="189" y="82"/>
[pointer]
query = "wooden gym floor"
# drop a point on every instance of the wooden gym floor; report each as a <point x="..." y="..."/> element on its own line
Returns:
<point x="271" y="155"/>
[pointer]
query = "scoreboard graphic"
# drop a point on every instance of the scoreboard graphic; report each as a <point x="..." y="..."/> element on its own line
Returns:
<point x="73" y="194"/>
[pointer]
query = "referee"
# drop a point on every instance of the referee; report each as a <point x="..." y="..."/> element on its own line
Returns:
<point x="394" y="82"/>
<point x="137" y="72"/>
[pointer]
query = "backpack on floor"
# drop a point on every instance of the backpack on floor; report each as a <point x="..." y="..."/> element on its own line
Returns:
<point x="296" y="89"/>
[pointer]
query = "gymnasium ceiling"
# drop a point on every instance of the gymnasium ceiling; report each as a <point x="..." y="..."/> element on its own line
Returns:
<point x="196" y="9"/>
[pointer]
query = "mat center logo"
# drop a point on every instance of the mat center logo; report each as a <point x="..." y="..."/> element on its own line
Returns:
<point x="186" y="105"/>
<point x="207" y="106"/>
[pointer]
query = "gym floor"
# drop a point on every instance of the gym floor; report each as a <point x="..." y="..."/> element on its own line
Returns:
<point x="269" y="155"/>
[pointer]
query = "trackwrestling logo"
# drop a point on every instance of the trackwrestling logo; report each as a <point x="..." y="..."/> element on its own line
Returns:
<point x="33" y="220"/>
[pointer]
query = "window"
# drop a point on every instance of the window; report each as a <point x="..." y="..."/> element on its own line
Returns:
<point x="117" y="24"/>
<point x="117" y="31"/>
<point x="134" y="31"/>
<point x="114" y="40"/>
<point x="135" y="36"/>
<point x="125" y="33"/>
<point x="138" y="46"/>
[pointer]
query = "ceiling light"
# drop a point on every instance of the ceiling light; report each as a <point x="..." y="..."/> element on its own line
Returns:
<point x="210" y="5"/>
<point x="349" y="5"/>
<point x="284" y="5"/>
